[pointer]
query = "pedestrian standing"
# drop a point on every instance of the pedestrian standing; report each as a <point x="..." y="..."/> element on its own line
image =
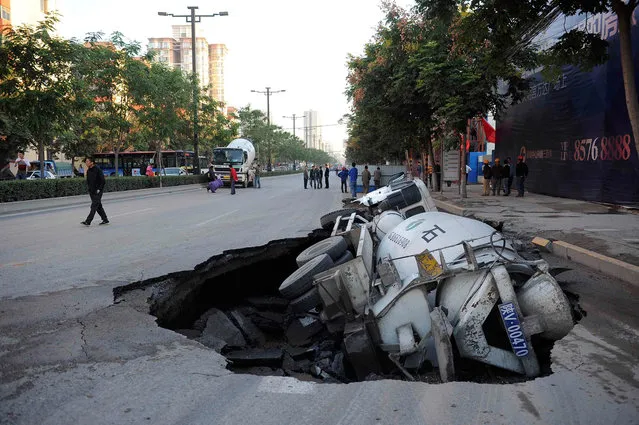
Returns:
<point x="377" y="178"/>
<point x="511" y="176"/>
<point x="343" y="176"/>
<point x="352" y="177"/>
<point x="327" y="172"/>
<point x="505" y="176"/>
<point x="305" y="177"/>
<point x="487" y="174"/>
<point x="366" y="179"/>
<point x="95" y="183"/>
<point x="318" y="175"/>
<point x="468" y="170"/>
<point x="23" y="165"/>
<point x="149" y="171"/>
<point x="521" y="172"/>
<point x="496" y="174"/>
<point x="233" y="180"/>
<point x="256" y="179"/>
<point x="419" y="169"/>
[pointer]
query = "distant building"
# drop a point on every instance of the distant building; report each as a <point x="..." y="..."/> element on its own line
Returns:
<point x="312" y="130"/>
<point x="176" y="51"/>
<point x="20" y="12"/>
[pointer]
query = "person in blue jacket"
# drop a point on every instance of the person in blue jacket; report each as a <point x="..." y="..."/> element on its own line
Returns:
<point x="352" y="175"/>
<point x="343" y="175"/>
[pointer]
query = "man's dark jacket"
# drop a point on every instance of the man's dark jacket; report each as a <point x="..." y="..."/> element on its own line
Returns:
<point x="95" y="179"/>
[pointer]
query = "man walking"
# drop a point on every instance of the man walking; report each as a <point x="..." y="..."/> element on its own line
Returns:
<point x="343" y="176"/>
<point x="497" y="171"/>
<point x="233" y="180"/>
<point x="23" y="165"/>
<point x="327" y="172"/>
<point x="352" y="176"/>
<point x="377" y="178"/>
<point x="511" y="176"/>
<point x="366" y="179"/>
<point x="305" y="177"/>
<point x="521" y="172"/>
<point x="487" y="174"/>
<point x="95" y="182"/>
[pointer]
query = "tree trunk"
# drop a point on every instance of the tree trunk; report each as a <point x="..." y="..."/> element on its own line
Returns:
<point x="116" y="151"/>
<point x="431" y="163"/>
<point x="624" y="14"/>
<point x="41" y="158"/>
<point x="462" y="170"/>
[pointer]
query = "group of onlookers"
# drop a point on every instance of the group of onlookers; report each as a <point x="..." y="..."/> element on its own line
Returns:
<point x="313" y="177"/>
<point x="498" y="176"/>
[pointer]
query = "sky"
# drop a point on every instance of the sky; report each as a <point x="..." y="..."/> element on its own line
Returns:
<point x="300" y="46"/>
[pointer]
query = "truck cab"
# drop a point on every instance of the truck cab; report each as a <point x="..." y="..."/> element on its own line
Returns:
<point x="239" y="154"/>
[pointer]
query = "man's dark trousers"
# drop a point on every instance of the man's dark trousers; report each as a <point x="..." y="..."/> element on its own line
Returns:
<point x="326" y="179"/>
<point x="96" y="205"/>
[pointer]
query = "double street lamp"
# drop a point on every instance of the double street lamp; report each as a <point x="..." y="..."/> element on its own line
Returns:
<point x="268" y="92"/>
<point x="193" y="18"/>
<point x="294" y="118"/>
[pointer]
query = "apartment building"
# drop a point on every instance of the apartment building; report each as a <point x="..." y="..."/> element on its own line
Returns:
<point x="21" y="12"/>
<point x="177" y="51"/>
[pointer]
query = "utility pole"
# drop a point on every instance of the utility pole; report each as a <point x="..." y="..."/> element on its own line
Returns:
<point x="193" y="18"/>
<point x="463" y="161"/>
<point x="294" y="117"/>
<point x="268" y="94"/>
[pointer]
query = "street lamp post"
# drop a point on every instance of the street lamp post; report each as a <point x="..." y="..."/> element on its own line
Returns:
<point x="193" y="18"/>
<point x="268" y="94"/>
<point x="294" y="117"/>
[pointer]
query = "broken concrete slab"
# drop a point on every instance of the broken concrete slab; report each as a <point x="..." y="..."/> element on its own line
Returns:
<point x="189" y="333"/>
<point x="298" y="334"/>
<point x="255" y="357"/>
<point x="268" y="303"/>
<point x="200" y="323"/>
<point x="213" y="342"/>
<point x="218" y="325"/>
<point x="251" y="332"/>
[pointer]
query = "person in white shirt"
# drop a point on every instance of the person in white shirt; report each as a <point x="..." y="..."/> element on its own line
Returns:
<point x="468" y="170"/>
<point x="23" y="165"/>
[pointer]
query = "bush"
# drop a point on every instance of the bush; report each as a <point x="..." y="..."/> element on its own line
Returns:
<point x="24" y="190"/>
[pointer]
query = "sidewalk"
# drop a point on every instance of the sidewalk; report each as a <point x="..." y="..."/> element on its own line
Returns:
<point x="605" y="230"/>
<point x="8" y="208"/>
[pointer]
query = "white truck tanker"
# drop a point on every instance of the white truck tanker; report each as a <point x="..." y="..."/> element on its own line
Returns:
<point x="404" y="284"/>
<point x="239" y="154"/>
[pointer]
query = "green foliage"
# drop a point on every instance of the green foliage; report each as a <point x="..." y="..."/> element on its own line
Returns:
<point x="23" y="190"/>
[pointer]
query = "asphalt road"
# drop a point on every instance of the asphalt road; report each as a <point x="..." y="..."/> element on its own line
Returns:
<point x="68" y="354"/>
<point x="51" y="251"/>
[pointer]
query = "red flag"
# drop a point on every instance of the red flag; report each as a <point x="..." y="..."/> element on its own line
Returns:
<point x="489" y="131"/>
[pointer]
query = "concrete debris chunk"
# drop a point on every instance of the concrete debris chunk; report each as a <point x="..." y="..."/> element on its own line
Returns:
<point x="268" y="303"/>
<point x="298" y="334"/>
<point x="218" y="325"/>
<point x="213" y="342"/>
<point x="252" y="333"/>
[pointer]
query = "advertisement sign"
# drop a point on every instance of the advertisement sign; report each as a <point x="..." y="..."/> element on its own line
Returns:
<point x="574" y="133"/>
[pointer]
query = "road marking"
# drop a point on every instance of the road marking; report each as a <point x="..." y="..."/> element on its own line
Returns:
<point x="131" y="212"/>
<point x="285" y="385"/>
<point x="17" y="264"/>
<point x="602" y="230"/>
<point x="215" y="218"/>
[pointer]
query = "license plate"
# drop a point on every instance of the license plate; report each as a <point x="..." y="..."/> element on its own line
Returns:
<point x="225" y="177"/>
<point x="513" y="329"/>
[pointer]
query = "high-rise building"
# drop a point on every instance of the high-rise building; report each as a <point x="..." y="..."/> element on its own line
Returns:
<point x="21" y="12"/>
<point x="177" y="52"/>
<point x="312" y="130"/>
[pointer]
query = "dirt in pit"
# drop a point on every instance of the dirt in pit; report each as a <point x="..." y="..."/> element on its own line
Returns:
<point x="231" y="304"/>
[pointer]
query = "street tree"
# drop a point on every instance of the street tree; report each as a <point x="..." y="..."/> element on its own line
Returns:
<point x="37" y="83"/>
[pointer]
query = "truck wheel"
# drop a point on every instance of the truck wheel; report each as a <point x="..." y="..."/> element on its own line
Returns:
<point x="334" y="247"/>
<point x="345" y="258"/>
<point x="301" y="280"/>
<point x="328" y="220"/>
<point x="306" y="301"/>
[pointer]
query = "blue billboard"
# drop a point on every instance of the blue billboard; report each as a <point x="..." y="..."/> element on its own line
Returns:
<point x="574" y="132"/>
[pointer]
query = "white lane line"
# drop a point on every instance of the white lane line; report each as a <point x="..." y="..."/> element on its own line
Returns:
<point x="131" y="212"/>
<point x="215" y="218"/>
<point x="602" y="230"/>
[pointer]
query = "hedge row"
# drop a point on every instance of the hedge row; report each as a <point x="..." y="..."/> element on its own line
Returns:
<point x="24" y="190"/>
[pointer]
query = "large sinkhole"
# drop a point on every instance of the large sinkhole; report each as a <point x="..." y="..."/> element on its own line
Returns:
<point x="231" y="304"/>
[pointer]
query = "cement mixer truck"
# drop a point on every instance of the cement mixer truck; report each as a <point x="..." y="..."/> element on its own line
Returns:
<point x="239" y="154"/>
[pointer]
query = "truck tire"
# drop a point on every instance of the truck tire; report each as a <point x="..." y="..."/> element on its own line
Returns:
<point x="334" y="247"/>
<point x="345" y="258"/>
<point x="301" y="280"/>
<point x="306" y="301"/>
<point x="328" y="220"/>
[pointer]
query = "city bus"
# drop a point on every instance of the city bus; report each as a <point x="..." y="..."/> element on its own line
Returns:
<point x="134" y="163"/>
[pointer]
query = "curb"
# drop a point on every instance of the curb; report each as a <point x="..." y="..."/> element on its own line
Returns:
<point x="451" y="208"/>
<point x="9" y="208"/>
<point x="601" y="263"/>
